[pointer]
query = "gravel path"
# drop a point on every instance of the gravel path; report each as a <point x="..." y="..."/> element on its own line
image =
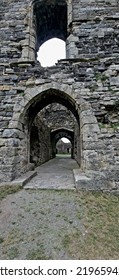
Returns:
<point x="54" y="174"/>
<point x="34" y="223"/>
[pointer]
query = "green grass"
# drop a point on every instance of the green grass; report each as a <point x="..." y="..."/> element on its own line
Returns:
<point x="1" y="239"/>
<point x="100" y="237"/>
<point x="101" y="77"/>
<point x="10" y="244"/>
<point x="12" y="253"/>
<point x="63" y="155"/>
<point x="114" y="126"/>
<point x="37" y="254"/>
<point x="5" y="190"/>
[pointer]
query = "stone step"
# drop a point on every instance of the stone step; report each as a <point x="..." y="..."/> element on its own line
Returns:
<point x="89" y="180"/>
<point x="21" y="181"/>
<point x="81" y="180"/>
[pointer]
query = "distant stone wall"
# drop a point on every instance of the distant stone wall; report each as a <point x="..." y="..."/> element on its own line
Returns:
<point x="57" y="115"/>
<point x="56" y="137"/>
<point x="63" y="148"/>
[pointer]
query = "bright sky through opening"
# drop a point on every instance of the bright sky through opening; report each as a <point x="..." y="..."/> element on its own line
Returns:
<point x="51" y="51"/>
<point x="65" y="140"/>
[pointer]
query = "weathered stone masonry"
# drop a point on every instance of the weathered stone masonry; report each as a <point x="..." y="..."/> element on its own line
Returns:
<point x="87" y="82"/>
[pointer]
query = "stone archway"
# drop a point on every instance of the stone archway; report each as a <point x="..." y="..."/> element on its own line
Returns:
<point x="57" y="134"/>
<point x="31" y="103"/>
<point x="41" y="100"/>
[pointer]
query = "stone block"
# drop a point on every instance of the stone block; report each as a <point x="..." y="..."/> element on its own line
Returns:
<point x="41" y="81"/>
<point x="2" y="142"/>
<point x="21" y="181"/>
<point x="90" y="180"/>
<point x="12" y="142"/>
<point x="5" y="87"/>
<point x="8" y="133"/>
<point x="13" y="133"/>
<point x="114" y="81"/>
<point x="30" y="83"/>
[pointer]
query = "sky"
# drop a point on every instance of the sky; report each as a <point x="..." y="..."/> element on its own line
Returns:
<point x="65" y="140"/>
<point x="49" y="53"/>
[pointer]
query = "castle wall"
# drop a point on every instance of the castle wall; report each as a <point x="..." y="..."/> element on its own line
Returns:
<point x="89" y="75"/>
<point x="94" y="29"/>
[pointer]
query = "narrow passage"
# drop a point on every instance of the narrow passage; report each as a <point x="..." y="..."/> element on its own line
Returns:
<point x="54" y="174"/>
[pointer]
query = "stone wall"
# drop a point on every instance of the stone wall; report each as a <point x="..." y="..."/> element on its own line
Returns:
<point x="96" y="90"/>
<point x="57" y="115"/>
<point x="86" y="83"/>
<point x="63" y="148"/>
<point x="40" y="146"/>
<point x="94" y="29"/>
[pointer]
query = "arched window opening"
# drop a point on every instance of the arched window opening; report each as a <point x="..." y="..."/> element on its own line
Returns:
<point x="51" y="51"/>
<point x="50" y="21"/>
<point x="63" y="148"/>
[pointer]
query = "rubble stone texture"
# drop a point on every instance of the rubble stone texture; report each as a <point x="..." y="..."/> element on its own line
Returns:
<point x="86" y="83"/>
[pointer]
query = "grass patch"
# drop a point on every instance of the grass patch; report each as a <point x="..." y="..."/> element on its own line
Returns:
<point x="12" y="253"/>
<point x="1" y="240"/>
<point x="101" y="77"/>
<point x="11" y="243"/>
<point x="100" y="218"/>
<point x="114" y="126"/>
<point x="6" y="190"/>
<point x="37" y="254"/>
<point x="63" y="155"/>
<point x="12" y="238"/>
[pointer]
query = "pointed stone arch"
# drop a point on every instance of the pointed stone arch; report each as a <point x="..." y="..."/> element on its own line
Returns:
<point x="33" y="101"/>
<point x="38" y="95"/>
<point x="57" y="134"/>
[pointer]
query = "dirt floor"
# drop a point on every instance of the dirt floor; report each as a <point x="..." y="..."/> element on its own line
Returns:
<point x="35" y="223"/>
<point x="38" y="223"/>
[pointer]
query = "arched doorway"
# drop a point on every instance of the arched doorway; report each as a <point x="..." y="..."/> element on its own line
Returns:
<point x="49" y="97"/>
<point x="46" y="131"/>
<point x="66" y="148"/>
<point x="63" y="148"/>
<point x="34" y="106"/>
<point x="86" y="131"/>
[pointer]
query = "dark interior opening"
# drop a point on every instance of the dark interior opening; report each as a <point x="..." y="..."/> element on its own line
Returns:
<point x="50" y="19"/>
